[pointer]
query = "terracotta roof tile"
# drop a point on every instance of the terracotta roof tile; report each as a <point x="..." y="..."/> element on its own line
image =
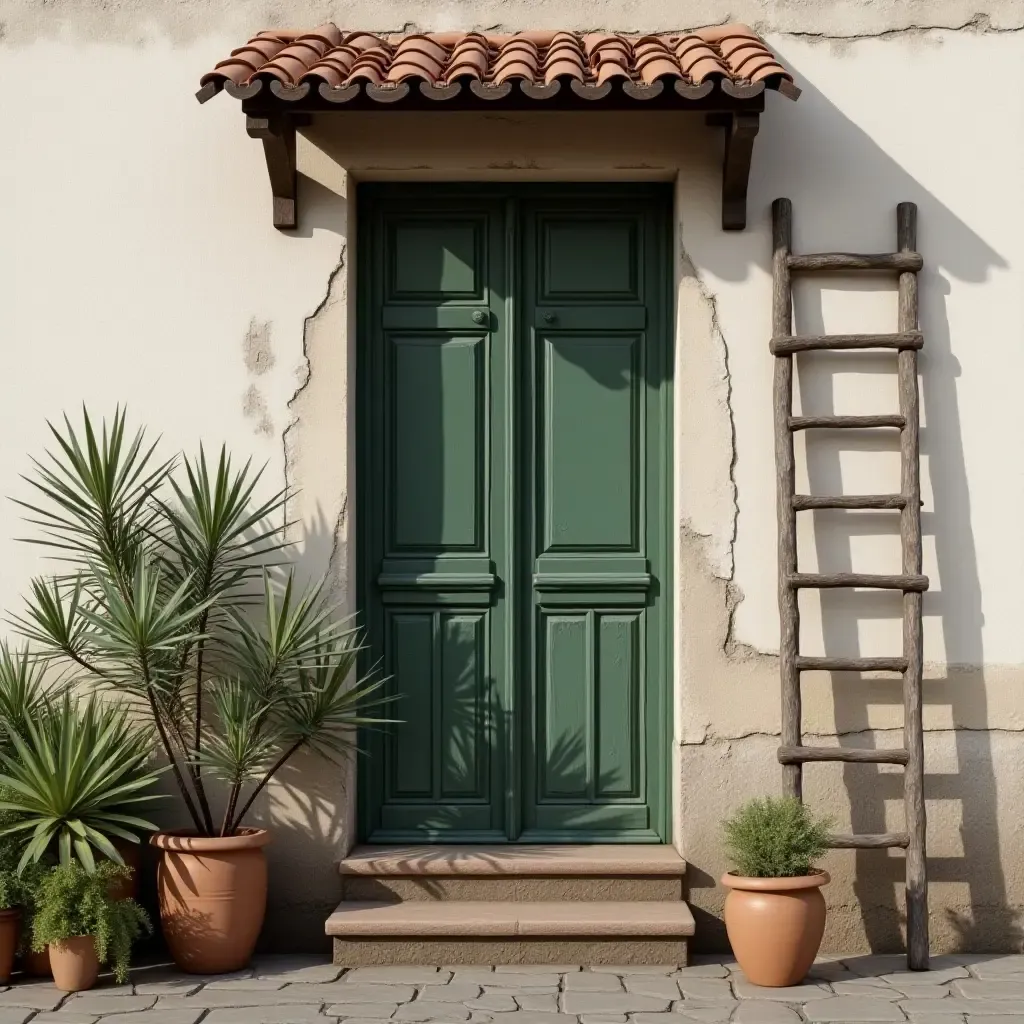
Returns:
<point x="340" y="65"/>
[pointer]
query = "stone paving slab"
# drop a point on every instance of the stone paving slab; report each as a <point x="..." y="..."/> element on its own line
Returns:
<point x="754" y="1011"/>
<point x="536" y="1002"/>
<point x="261" y="1015"/>
<point x="590" y="981"/>
<point x="400" y="975"/>
<point x="308" y="990"/>
<point x="858" y="1009"/>
<point x="611" y="1002"/>
<point x="101" y="1003"/>
<point x="152" y="1017"/>
<point x="704" y="988"/>
<point x="361" y="1009"/>
<point x="652" y="985"/>
<point x="1003" y="988"/>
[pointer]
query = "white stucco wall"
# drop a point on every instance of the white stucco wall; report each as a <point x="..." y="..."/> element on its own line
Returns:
<point x="139" y="265"/>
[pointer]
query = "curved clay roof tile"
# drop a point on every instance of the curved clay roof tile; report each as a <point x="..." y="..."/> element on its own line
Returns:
<point x="609" y="69"/>
<point x="328" y="33"/>
<point x="657" y="65"/>
<point x="514" y="69"/>
<point x="365" y="41"/>
<point x="422" y="44"/>
<point x="704" y="68"/>
<point x="716" y="33"/>
<point x="469" y="58"/>
<point x="564" y="68"/>
<point x="536" y="58"/>
<point x="267" y="48"/>
<point x="414" y="65"/>
<point x="285" y="69"/>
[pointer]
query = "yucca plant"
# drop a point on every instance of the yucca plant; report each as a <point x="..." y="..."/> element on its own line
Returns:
<point x="24" y="691"/>
<point x="775" y="838"/>
<point x="177" y="594"/>
<point x="77" y="771"/>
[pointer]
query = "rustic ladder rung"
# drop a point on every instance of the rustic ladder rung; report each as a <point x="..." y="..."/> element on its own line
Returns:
<point x="892" y="261"/>
<point x="783" y="344"/>
<point x="906" y="582"/>
<point x="801" y="755"/>
<point x="844" y="422"/>
<point x="805" y="664"/>
<point x="906" y="341"/>
<point x="803" y="502"/>
<point x="881" y="841"/>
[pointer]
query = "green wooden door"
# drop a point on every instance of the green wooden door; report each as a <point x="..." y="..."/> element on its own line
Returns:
<point x="513" y="490"/>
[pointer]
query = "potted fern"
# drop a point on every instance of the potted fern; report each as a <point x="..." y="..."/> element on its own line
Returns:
<point x="775" y="912"/>
<point x="177" y="595"/>
<point x="83" y="925"/>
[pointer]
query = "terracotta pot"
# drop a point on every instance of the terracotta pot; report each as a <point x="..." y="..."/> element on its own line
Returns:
<point x="775" y="925"/>
<point x="38" y="964"/>
<point x="75" y="964"/>
<point x="131" y="854"/>
<point x="213" y="895"/>
<point x="10" y="929"/>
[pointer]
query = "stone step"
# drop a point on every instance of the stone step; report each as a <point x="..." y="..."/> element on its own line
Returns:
<point x="513" y="873"/>
<point x="495" y="932"/>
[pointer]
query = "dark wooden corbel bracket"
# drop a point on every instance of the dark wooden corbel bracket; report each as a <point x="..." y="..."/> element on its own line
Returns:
<point x="277" y="133"/>
<point x="740" y="131"/>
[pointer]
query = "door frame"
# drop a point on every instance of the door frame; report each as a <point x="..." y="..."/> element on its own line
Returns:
<point x="661" y="788"/>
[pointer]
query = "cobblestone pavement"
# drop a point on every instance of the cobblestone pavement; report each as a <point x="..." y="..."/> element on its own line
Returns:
<point x="984" y="989"/>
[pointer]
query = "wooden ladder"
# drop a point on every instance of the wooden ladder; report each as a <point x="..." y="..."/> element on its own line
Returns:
<point x="906" y="262"/>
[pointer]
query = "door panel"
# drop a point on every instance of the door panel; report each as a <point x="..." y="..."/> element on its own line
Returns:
<point x="595" y="548"/>
<point x="513" y="520"/>
<point x="432" y="513"/>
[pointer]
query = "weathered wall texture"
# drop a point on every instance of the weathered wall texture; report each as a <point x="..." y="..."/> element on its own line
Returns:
<point x="139" y="265"/>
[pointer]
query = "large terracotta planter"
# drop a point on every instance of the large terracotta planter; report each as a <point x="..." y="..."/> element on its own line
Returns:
<point x="213" y="895"/>
<point x="74" y="963"/>
<point x="775" y="925"/>
<point x="10" y="929"/>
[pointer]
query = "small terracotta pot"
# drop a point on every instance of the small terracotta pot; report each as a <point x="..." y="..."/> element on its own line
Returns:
<point x="213" y="896"/>
<point x="38" y="964"/>
<point x="10" y="930"/>
<point x="75" y="964"/>
<point x="775" y="925"/>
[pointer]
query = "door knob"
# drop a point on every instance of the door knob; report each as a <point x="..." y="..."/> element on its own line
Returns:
<point x="479" y="316"/>
<point x="550" y="318"/>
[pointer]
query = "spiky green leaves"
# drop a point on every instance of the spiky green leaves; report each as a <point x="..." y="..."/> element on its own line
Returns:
<point x="75" y="777"/>
<point x="775" y="838"/>
<point x="177" y="600"/>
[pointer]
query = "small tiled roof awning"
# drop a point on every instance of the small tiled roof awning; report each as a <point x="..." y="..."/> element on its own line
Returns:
<point x="347" y="67"/>
<point x="283" y="78"/>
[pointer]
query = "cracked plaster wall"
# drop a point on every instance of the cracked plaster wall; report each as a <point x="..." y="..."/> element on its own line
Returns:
<point x="145" y="269"/>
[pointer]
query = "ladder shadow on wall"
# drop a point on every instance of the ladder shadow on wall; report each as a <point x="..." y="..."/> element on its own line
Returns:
<point x="845" y="188"/>
<point x="960" y="784"/>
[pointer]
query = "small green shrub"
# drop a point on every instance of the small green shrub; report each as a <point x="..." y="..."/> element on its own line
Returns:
<point x="775" y="838"/>
<point x="71" y="901"/>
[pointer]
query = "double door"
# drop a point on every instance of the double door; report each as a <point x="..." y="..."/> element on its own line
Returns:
<point x="513" y="511"/>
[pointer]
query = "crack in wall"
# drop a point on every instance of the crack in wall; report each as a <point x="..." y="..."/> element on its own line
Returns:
<point x="726" y="740"/>
<point x="305" y="373"/>
<point x="979" y="24"/>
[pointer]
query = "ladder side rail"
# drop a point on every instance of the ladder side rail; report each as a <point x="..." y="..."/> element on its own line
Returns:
<point x="910" y="543"/>
<point x="785" y="488"/>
